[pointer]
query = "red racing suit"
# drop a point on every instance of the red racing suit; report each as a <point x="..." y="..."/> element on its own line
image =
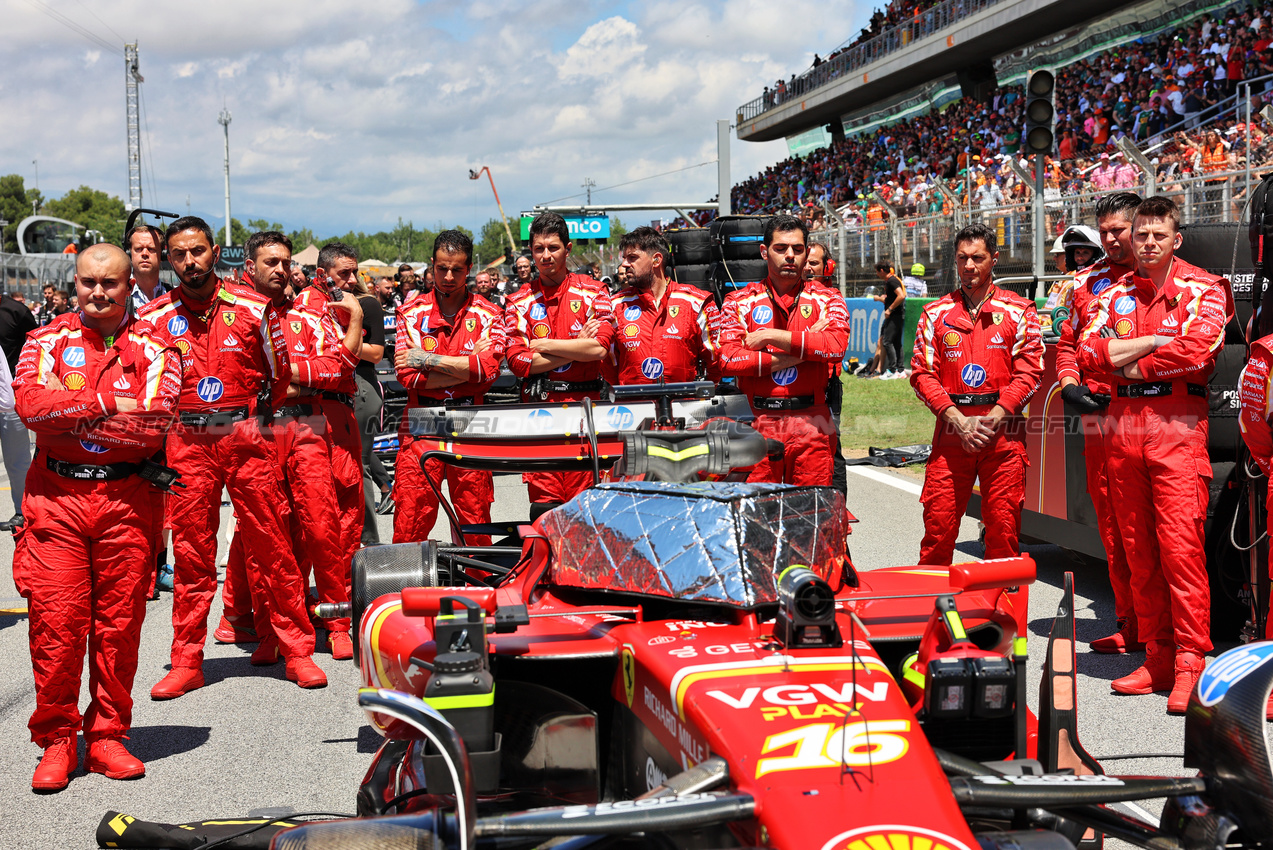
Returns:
<point x="301" y="432"/>
<point x="1255" y="390"/>
<point x="1080" y="300"/>
<point x="232" y="350"/>
<point x="790" y="404"/>
<point x="536" y="311"/>
<point x="975" y="363"/>
<point x="85" y="558"/>
<point x="420" y="324"/>
<point x="672" y="342"/>
<point x="1158" y="459"/>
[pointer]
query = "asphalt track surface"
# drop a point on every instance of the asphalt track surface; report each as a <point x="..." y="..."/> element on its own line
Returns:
<point x="251" y="740"/>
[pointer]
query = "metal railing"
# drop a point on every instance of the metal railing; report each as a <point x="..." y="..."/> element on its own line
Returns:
<point x="895" y="38"/>
<point x="28" y="274"/>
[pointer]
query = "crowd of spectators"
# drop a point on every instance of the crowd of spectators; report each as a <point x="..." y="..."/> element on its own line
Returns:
<point x="1162" y="93"/>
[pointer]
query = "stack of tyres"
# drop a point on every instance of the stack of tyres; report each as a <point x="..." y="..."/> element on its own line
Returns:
<point x="691" y="256"/>
<point x="736" y="241"/>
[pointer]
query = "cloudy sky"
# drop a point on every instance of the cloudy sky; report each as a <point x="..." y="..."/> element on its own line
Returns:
<point x="350" y="113"/>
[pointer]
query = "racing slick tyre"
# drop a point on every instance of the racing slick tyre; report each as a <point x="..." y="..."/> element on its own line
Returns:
<point x="690" y="245"/>
<point x="1211" y="247"/>
<point x="737" y="237"/>
<point x="378" y="570"/>
<point x="697" y="275"/>
<point x="1224" y="437"/>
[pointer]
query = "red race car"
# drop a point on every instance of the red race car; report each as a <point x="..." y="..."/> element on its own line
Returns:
<point x="674" y="659"/>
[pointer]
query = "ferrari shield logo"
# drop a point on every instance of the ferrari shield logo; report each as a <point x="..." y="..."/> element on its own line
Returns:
<point x="470" y="324"/>
<point x="673" y="310"/>
<point x="629" y="674"/>
<point x="1173" y="301"/>
<point x="998" y="318"/>
<point x="296" y="327"/>
<point x="806" y="310"/>
<point x="228" y="318"/>
<point x="576" y="305"/>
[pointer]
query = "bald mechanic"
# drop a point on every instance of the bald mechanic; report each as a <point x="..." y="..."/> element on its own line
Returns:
<point x="778" y="337"/>
<point x="99" y="389"/>
<point x="559" y="328"/>
<point x="236" y="373"/>
<point x="1090" y="395"/>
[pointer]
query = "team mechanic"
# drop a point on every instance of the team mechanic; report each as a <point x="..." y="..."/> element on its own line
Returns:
<point x="559" y="328"/>
<point x="1256" y="396"/>
<point x="778" y="336"/>
<point x="667" y="331"/>
<point x="1156" y="333"/>
<point x="448" y="350"/>
<point x="1090" y="395"/>
<point x="232" y="351"/>
<point x="99" y="390"/>
<point x="978" y="358"/>
<point x="322" y="360"/>
<point x="819" y="266"/>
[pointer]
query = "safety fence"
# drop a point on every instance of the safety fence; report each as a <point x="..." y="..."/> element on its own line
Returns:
<point x="928" y="239"/>
<point x="28" y="274"/>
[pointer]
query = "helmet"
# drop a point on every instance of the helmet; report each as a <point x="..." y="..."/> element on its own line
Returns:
<point x="1080" y="236"/>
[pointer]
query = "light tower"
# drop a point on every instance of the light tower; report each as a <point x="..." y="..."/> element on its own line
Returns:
<point x="132" y="78"/>
<point x="224" y="120"/>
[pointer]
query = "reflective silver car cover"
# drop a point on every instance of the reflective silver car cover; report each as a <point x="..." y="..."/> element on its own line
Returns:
<point x="708" y="542"/>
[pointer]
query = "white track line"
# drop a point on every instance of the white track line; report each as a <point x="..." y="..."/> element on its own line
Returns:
<point x="875" y="474"/>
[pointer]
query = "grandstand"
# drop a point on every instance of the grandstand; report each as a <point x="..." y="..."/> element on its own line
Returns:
<point x="906" y="160"/>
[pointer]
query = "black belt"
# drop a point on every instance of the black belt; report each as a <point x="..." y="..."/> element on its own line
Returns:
<point x="89" y="472"/>
<point x="458" y="401"/>
<point x="1155" y="389"/>
<point x="213" y="418"/>
<point x="969" y="399"/>
<point x="343" y="398"/>
<point x="296" y="410"/>
<point x="799" y="402"/>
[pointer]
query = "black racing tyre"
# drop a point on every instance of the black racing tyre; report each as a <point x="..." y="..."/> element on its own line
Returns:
<point x="690" y="245"/>
<point x="1226" y="566"/>
<point x="1224" y="437"/>
<point x="699" y="275"/>
<point x="738" y="237"/>
<point x="1211" y="247"/>
<point x="377" y="570"/>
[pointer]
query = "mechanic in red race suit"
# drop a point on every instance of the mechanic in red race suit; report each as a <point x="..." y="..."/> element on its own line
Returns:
<point x="233" y="354"/>
<point x="322" y="359"/>
<point x="1090" y="395"/>
<point x="1255" y="392"/>
<point x="99" y="389"/>
<point x="448" y="350"/>
<point x="978" y="358"/>
<point x="777" y="338"/>
<point x="1156" y="334"/>
<point x="559" y="329"/>
<point x="666" y="331"/>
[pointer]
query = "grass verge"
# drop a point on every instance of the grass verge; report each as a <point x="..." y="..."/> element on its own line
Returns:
<point x="882" y="414"/>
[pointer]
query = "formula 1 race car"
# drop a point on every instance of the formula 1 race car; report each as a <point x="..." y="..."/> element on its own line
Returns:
<point x="669" y="661"/>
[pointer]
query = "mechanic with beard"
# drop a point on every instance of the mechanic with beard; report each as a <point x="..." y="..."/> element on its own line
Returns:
<point x="559" y="329"/>
<point x="448" y="351"/>
<point x="818" y="266"/>
<point x="978" y="358"/>
<point x="667" y="331"/>
<point x="99" y="389"/>
<point x="235" y="372"/>
<point x="1090" y="395"/>
<point x="778" y="338"/>
<point x="1155" y="335"/>
<point x="322" y="360"/>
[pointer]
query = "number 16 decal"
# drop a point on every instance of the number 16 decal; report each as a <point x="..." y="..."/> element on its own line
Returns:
<point x="859" y="744"/>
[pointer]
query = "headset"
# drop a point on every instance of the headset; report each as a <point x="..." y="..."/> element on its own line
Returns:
<point x="132" y="227"/>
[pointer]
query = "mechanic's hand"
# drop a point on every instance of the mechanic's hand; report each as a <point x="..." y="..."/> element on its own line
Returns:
<point x="820" y="325"/>
<point x="1108" y="333"/>
<point x="482" y="345"/>
<point x="125" y="404"/>
<point x="410" y="357"/>
<point x="293" y="391"/>
<point x="783" y="361"/>
<point x="590" y="329"/>
<point x="1081" y="398"/>
<point x="757" y="340"/>
<point x="965" y="428"/>
<point x="1132" y="371"/>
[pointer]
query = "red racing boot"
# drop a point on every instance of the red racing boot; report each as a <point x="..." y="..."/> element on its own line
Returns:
<point x="179" y="682"/>
<point x="108" y="756"/>
<point x="304" y="672"/>
<point x="1157" y="673"/>
<point x="1121" y="642"/>
<point x="1189" y="666"/>
<point x="53" y="773"/>
<point x="341" y="646"/>
<point x="227" y="632"/>
<point x="267" y="653"/>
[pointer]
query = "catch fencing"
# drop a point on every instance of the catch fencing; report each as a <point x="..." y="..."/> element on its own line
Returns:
<point x="29" y="274"/>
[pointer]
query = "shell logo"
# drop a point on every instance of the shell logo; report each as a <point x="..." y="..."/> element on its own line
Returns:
<point x="183" y="347"/>
<point x="631" y="331"/>
<point x="952" y="338"/>
<point x="429" y="343"/>
<point x="887" y="837"/>
<point x="74" y="381"/>
<point x="1123" y="327"/>
<point x="540" y="331"/>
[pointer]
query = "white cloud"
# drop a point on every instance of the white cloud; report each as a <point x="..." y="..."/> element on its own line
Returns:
<point x="349" y="114"/>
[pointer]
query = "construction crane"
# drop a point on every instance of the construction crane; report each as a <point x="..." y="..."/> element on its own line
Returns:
<point x="132" y="79"/>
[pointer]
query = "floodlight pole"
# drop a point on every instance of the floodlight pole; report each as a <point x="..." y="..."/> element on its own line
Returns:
<point x="1040" y="221"/>
<point x="475" y="175"/>
<point x="722" y="168"/>
<point x="224" y="120"/>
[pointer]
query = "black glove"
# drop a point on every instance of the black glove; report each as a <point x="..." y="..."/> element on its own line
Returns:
<point x="1083" y="399"/>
